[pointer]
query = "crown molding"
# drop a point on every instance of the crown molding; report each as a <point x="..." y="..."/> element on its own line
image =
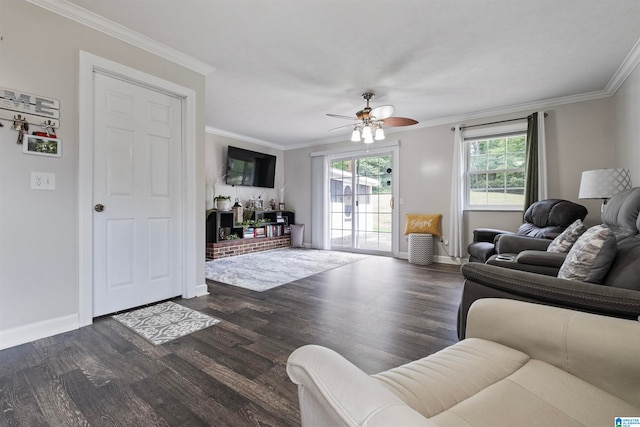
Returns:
<point x="240" y="137"/>
<point x="624" y="70"/>
<point x="120" y="32"/>
<point x="529" y="106"/>
<point x="323" y="141"/>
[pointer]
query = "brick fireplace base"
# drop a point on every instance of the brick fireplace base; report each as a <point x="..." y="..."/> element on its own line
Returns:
<point x="230" y="248"/>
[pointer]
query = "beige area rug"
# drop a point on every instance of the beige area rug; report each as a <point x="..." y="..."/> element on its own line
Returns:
<point x="261" y="271"/>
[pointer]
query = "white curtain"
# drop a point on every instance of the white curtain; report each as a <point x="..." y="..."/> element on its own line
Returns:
<point x="456" y="211"/>
<point x="542" y="159"/>
<point x="319" y="188"/>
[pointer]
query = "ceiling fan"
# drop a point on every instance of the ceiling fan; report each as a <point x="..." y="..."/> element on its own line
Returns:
<point x="368" y="121"/>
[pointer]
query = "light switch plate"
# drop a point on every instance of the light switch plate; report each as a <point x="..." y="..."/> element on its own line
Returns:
<point x="43" y="181"/>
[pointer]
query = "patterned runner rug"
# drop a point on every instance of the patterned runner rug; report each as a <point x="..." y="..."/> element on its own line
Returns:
<point x="164" y="322"/>
<point x="265" y="270"/>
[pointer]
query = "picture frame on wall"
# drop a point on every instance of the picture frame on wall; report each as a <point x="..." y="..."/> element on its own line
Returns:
<point x="41" y="145"/>
<point x="281" y="206"/>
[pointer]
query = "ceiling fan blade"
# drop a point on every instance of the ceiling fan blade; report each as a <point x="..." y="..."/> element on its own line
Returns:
<point x="399" y="121"/>
<point x="344" y="126"/>
<point x="382" y="112"/>
<point x="338" y="116"/>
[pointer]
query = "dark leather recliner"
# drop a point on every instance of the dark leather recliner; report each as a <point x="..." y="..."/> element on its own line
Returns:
<point x="620" y="215"/>
<point x="617" y="295"/>
<point x="544" y="219"/>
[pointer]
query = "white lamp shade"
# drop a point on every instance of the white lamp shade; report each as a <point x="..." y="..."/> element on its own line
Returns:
<point x="379" y="134"/>
<point x="355" y="135"/>
<point x="603" y="183"/>
<point x="366" y="132"/>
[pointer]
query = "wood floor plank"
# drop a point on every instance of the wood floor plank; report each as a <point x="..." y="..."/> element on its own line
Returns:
<point x="171" y="408"/>
<point x="209" y="405"/>
<point x="15" y="359"/>
<point x="379" y="313"/>
<point x="111" y="404"/>
<point x="88" y="398"/>
<point x="63" y="357"/>
<point x="105" y="363"/>
<point x="236" y="358"/>
<point x="245" y="387"/>
<point x="225" y="400"/>
<point x="130" y="409"/>
<point x="56" y="405"/>
<point x="18" y="406"/>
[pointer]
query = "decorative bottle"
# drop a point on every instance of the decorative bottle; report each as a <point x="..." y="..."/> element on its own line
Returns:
<point x="237" y="212"/>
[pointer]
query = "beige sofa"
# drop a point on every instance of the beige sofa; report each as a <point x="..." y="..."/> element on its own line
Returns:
<point x="521" y="364"/>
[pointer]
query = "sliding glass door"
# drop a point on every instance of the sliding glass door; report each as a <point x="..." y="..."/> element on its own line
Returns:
<point x="361" y="205"/>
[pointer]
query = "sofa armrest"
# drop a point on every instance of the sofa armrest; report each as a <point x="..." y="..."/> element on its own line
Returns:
<point x="513" y="244"/>
<point x="601" y="350"/>
<point x="487" y="234"/>
<point x="540" y="262"/>
<point x="333" y="391"/>
<point x="490" y="281"/>
<point x="550" y="235"/>
<point x="590" y="297"/>
<point x="541" y="258"/>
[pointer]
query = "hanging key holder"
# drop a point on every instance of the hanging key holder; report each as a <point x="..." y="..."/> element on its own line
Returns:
<point x="24" y="110"/>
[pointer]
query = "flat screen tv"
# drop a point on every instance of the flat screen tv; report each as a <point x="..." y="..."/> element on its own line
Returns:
<point x="250" y="168"/>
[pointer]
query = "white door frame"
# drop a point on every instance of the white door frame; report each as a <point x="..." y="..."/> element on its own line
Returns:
<point x="89" y="64"/>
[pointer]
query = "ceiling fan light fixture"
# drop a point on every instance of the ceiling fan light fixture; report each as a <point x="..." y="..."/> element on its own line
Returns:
<point x="355" y="135"/>
<point x="367" y="134"/>
<point x="369" y="121"/>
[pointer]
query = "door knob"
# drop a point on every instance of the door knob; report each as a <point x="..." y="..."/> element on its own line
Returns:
<point x="98" y="207"/>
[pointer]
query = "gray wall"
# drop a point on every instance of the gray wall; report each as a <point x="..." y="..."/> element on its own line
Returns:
<point x="627" y="117"/>
<point x="216" y="158"/>
<point x="579" y="137"/>
<point x="39" y="229"/>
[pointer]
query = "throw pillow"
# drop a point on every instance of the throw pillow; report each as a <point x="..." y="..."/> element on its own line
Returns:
<point x="591" y="256"/>
<point x="567" y="238"/>
<point x="419" y="223"/>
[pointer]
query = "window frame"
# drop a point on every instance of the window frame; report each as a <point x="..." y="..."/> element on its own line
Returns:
<point x="485" y="133"/>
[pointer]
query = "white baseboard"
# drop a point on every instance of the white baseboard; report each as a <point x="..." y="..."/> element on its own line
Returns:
<point x="202" y="290"/>
<point x="46" y="328"/>
<point x="440" y="259"/>
<point x="35" y="331"/>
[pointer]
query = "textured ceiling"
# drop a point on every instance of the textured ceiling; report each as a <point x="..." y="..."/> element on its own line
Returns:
<point x="281" y="65"/>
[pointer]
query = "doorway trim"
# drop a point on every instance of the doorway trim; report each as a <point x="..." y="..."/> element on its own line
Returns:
<point x="89" y="64"/>
<point x="394" y="152"/>
<point x="319" y="178"/>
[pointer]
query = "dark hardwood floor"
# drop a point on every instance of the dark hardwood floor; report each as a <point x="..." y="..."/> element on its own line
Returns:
<point x="378" y="312"/>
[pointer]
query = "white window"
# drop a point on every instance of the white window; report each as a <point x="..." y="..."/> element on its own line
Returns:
<point x="495" y="170"/>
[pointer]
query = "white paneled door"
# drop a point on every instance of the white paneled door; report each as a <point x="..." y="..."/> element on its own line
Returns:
<point x="136" y="194"/>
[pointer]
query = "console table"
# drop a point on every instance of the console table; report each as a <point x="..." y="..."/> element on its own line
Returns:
<point x="220" y="224"/>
